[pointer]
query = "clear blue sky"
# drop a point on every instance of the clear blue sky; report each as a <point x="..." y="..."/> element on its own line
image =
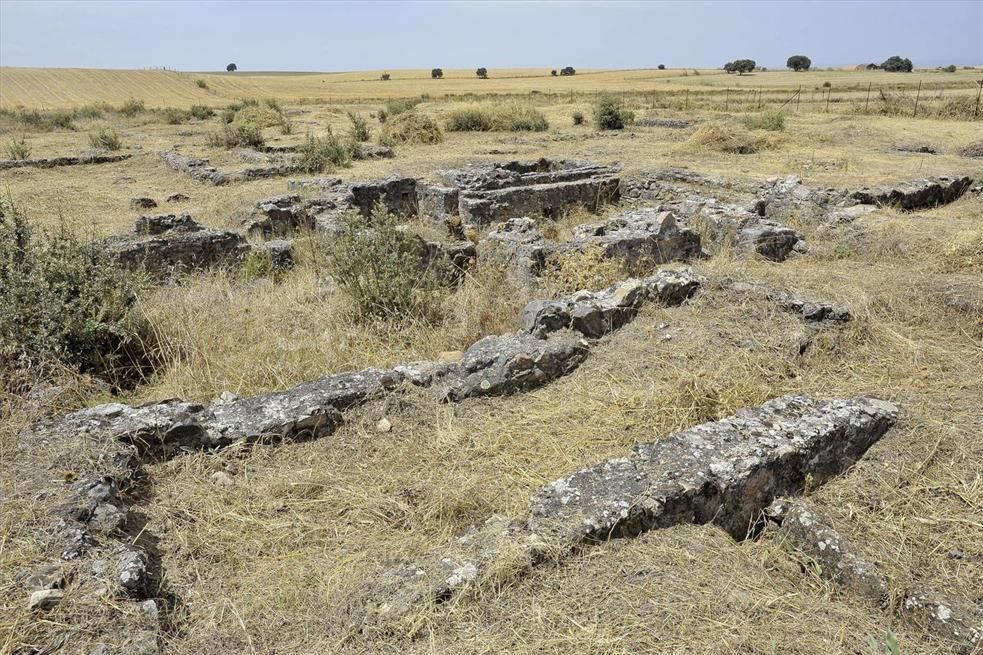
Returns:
<point x="335" y="36"/>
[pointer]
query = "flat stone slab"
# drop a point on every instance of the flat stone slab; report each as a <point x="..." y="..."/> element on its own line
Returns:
<point x="641" y="237"/>
<point x="198" y="169"/>
<point x="52" y="162"/>
<point x="916" y="194"/>
<point x="724" y="473"/>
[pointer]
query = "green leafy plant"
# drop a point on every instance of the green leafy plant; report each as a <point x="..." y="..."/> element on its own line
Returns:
<point x="64" y="303"/>
<point x="105" y="138"/>
<point x="773" y="121"/>
<point x="381" y="268"/>
<point x="359" y="130"/>
<point x="132" y="107"/>
<point x="578" y="118"/>
<point x="890" y="644"/>
<point x="202" y="112"/>
<point x="319" y="154"/>
<point x="201" y="84"/>
<point x="242" y="135"/>
<point x="608" y="114"/>
<point x="18" y="148"/>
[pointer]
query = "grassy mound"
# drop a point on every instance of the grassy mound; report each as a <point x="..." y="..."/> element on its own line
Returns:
<point x="411" y="127"/>
<point x="497" y="118"/>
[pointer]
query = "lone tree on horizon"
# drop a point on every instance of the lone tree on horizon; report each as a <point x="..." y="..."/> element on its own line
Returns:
<point x="798" y="63"/>
<point x="231" y="68"/>
<point x="437" y="73"/>
<point x="897" y="64"/>
<point x="569" y="70"/>
<point x="482" y="73"/>
<point x="385" y="76"/>
<point x="740" y="66"/>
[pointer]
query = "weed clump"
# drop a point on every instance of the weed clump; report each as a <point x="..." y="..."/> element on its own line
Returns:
<point x="411" y="127"/>
<point x="244" y="135"/>
<point x="319" y="154"/>
<point x="132" y="107"/>
<point x="174" y="116"/>
<point x="359" y="130"/>
<point x="105" y="138"/>
<point x="201" y="84"/>
<point x="202" y="112"/>
<point x="578" y="118"/>
<point x="63" y="304"/>
<point x="725" y="138"/>
<point x="18" y="148"/>
<point x="497" y="118"/>
<point x="381" y="268"/>
<point x="608" y="114"/>
<point x="773" y="121"/>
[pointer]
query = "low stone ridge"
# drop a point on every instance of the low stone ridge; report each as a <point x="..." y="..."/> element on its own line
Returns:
<point x="783" y="197"/>
<point x="802" y="525"/>
<point x="198" y="169"/>
<point x="808" y="308"/>
<point x="398" y="193"/>
<point x="974" y="150"/>
<point x="641" y="238"/>
<point x="670" y="123"/>
<point x="167" y="244"/>
<point x="916" y="148"/>
<point x="52" y="162"/>
<point x="594" y="314"/>
<point x="489" y="194"/>
<point x="646" y="237"/>
<point x="281" y="254"/>
<point x="724" y="473"/>
<point x="916" y="194"/>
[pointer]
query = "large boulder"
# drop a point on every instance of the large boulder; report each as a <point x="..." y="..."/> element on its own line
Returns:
<point x="644" y="237"/>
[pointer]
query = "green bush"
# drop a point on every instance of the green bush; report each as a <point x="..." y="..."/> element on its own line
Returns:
<point x="132" y="107"/>
<point x="608" y="114"/>
<point x="578" y="118"/>
<point x="201" y="112"/>
<point x="105" y="138"/>
<point x="773" y="121"/>
<point x="951" y="68"/>
<point x="242" y="135"/>
<point x="174" y="116"/>
<point x="63" y="304"/>
<point x="319" y="154"/>
<point x="396" y="107"/>
<point x="497" y="118"/>
<point x="360" y="129"/>
<point x="380" y="268"/>
<point x="89" y="111"/>
<point x="201" y="84"/>
<point x="18" y="148"/>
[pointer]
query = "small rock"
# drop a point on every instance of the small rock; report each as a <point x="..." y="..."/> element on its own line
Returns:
<point x="176" y="197"/>
<point x="955" y="554"/>
<point x="383" y="425"/>
<point x="222" y="478"/>
<point x="142" y="202"/>
<point x="99" y="650"/>
<point x="48" y="576"/>
<point x="149" y="607"/>
<point x="225" y="398"/>
<point x="45" y="599"/>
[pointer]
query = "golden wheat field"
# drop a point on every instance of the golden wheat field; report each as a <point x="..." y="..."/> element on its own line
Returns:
<point x="266" y="547"/>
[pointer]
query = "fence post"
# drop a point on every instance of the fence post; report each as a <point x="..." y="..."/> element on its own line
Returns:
<point x="759" y="98"/>
<point x="977" y="110"/>
<point x="917" y="96"/>
<point x="867" y="102"/>
<point x="686" y="107"/>
<point x="798" y="99"/>
<point x="727" y="99"/>
<point x="829" y="92"/>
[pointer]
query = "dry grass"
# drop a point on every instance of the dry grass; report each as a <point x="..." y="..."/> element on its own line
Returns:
<point x="269" y="563"/>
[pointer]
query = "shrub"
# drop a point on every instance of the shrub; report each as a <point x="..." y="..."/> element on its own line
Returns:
<point x="60" y="119"/>
<point x="379" y="267"/>
<point x="231" y="68"/>
<point x="240" y="135"/>
<point x="951" y="68"/>
<point x="174" y="116"/>
<point x="608" y="114"/>
<point x="89" y="111"/>
<point x="256" y="115"/>
<point x="411" y="127"/>
<point x="569" y="70"/>
<point x="798" y="63"/>
<point x="773" y="121"/>
<point x="396" y="107"/>
<point x="201" y="112"/>
<point x="359" y="130"/>
<point x="482" y="73"/>
<point x="578" y="118"/>
<point x="319" y="154"/>
<point x="827" y="85"/>
<point x="18" y="149"/>
<point x="662" y="67"/>
<point x="201" y="84"/>
<point x="436" y="73"/>
<point x="553" y="72"/>
<point x="105" y="137"/>
<point x="497" y="118"/>
<point x="897" y="64"/>
<point x="385" y="77"/>
<point x="64" y="303"/>
<point x="131" y="108"/>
